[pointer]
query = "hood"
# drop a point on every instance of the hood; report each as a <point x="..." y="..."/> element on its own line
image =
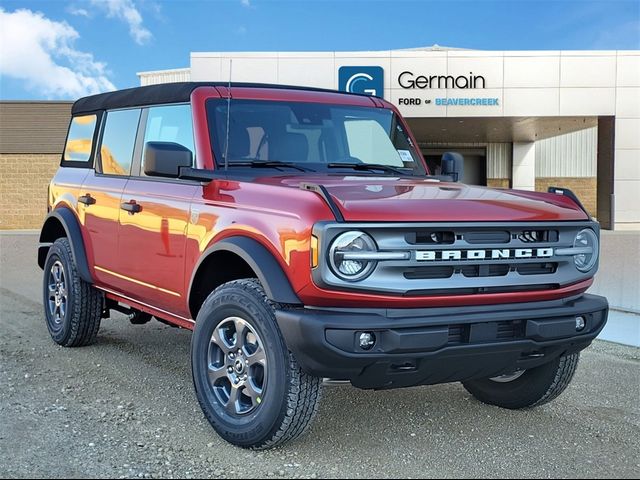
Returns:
<point x="368" y="198"/>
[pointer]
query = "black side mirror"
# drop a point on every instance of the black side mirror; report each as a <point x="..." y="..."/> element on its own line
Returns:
<point x="165" y="159"/>
<point x="453" y="165"/>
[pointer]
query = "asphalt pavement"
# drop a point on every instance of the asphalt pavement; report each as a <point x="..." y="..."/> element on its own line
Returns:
<point x="125" y="407"/>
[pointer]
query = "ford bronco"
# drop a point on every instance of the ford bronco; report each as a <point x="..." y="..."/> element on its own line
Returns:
<point x="299" y="233"/>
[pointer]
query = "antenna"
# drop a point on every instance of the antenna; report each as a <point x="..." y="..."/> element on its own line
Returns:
<point x="226" y="141"/>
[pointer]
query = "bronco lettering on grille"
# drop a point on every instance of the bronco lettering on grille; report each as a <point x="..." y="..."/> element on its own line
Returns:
<point x="490" y="254"/>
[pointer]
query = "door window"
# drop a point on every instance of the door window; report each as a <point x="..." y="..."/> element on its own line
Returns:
<point x="118" y="141"/>
<point x="170" y="123"/>
<point x="80" y="139"/>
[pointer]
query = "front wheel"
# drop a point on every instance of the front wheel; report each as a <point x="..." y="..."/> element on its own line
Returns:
<point x="250" y="387"/>
<point x="526" y="388"/>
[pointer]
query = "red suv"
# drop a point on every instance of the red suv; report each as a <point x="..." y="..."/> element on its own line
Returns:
<point x="299" y="233"/>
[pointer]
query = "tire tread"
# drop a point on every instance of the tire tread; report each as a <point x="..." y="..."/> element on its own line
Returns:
<point x="87" y="301"/>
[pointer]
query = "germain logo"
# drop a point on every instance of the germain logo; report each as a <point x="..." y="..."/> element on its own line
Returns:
<point x="494" y="254"/>
<point x="366" y="80"/>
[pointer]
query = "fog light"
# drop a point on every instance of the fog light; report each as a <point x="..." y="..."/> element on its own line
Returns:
<point x="367" y="340"/>
<point x="580" y="323"/>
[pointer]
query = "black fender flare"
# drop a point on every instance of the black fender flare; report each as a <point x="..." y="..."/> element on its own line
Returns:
<point x="273" y="279"/>
<point x="69" y="222"/>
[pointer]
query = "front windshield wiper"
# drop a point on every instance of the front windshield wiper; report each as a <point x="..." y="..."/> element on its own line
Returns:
<point x="270" y="164"/>
<point x="368" y="167"/>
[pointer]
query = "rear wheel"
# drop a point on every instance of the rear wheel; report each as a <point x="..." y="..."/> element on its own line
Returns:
<point x="72" y="307"/>
<point x="250" y="387"/>
<point x="526" y="388"/>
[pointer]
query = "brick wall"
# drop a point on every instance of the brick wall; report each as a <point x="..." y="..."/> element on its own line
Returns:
<point x="498" y="182"/>
<point x="23" y="188"/>
<point x="585" y="189"/>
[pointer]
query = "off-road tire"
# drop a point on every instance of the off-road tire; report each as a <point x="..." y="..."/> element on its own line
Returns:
<point x="291" y="397"/>
<point x="83" y="310"/>
<point x="534" y="387"/>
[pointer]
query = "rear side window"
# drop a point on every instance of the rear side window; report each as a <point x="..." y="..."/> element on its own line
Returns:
<point x="170" y="123"/>
<point x="118" y="141"/>
<point x="80" y="139"/>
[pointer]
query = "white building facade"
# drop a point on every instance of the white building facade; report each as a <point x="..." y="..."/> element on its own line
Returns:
<point x="522" y="119"/>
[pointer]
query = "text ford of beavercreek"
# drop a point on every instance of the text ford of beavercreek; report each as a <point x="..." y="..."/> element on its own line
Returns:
<point x="299" y="233"/>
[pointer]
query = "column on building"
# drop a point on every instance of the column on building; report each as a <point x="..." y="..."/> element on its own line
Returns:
<point x="524" y="166"/>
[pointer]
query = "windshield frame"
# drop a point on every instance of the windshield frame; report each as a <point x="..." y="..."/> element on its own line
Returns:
<point x="397" y="127"/>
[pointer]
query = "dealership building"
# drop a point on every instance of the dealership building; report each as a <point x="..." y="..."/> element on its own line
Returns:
<point x="522" y="119"/>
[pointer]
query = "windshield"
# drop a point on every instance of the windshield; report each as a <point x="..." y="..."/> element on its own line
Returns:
<point x="312" y="137"/>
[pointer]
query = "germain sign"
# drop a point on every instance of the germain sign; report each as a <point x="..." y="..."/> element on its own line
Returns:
<point x="408" y="80"/>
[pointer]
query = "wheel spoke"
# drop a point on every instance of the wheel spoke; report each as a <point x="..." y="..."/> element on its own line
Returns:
<point x="241" y="328"/>
<point x="216" y="373"/>
<point x="220" y="341"/>
<point x="258" y="357"/>
<point x="253" y="392"/>
<point x="56" y="272"/>
<point x="62" y="308"/>
<point x="232" y="404"/>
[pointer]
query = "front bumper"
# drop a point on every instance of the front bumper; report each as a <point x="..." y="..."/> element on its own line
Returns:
<point x="437" y="345"/>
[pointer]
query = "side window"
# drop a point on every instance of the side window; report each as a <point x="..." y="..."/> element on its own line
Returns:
<point x="170" y="123"/>
<point x="118" y="141"/>
<point x="80" y="139"/>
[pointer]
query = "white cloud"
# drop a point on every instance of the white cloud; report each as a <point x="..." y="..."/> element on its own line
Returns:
<point x="41" y="52"/>
<point x="241" y="30"/>
<point x="245" y="3"/>
<point x="78" y="12"/>
<point x="126" y="10"/>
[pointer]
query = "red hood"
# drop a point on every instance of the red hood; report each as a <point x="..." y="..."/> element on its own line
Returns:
<point x="368" y="198"/>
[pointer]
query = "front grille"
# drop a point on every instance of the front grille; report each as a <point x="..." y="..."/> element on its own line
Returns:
<point x="484" y="270"/>
<point x="537" y="268"/>
<point x="473" y="291"/>
<point x="480" y="237"/>
<point x="421" y="273"/>
<point x="462" y="259"/>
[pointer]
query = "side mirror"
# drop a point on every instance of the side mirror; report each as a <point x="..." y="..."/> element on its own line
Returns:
<point x="453" y="165"/>
<point x="165" y="159"/>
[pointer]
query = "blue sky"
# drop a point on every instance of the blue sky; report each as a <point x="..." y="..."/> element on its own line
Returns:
<point x="66" y="49"/>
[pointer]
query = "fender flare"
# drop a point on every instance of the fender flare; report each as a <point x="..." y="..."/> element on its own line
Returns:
<point x="273" y="279"/>
<point x="69" y="222"/>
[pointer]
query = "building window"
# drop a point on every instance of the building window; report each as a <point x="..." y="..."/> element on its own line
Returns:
<point x="118" y="141"/>
<point x="80" y="139"/>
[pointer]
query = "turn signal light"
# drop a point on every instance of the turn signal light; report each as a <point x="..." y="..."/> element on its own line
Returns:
<point x="314" y="251"/>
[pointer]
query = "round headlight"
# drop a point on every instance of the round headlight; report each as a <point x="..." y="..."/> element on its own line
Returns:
<point x="345" y="259"/>
<point x="587" y="241"/>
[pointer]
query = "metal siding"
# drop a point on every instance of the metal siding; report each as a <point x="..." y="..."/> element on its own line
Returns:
<point x="570" y="155"/>
<point x="33" y="127"/>
<point x="499" y="160"/>
<point x="165" y="76"/>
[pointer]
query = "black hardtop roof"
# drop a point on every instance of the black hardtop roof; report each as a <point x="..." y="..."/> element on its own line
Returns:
<point x="167" y="93"/>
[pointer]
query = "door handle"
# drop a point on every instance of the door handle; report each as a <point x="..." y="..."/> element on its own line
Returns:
<point x="131" y="206"/>
<point x="87" y="199"/>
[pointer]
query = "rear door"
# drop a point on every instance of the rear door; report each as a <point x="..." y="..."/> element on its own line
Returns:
<point x="153" y="237"/>
<point x="101" y="195"/>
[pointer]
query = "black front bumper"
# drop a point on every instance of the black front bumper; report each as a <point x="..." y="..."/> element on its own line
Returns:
<point x="437" y="345"/>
